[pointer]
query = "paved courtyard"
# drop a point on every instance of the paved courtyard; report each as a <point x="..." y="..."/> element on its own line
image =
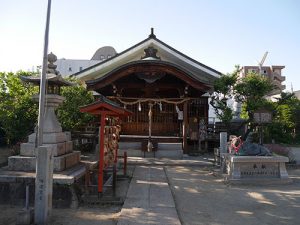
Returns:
<point x="201" y="197"/>
<point x="176" y="192"/>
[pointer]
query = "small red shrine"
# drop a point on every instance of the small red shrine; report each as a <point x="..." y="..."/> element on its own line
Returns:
<point x="109" y="113"/>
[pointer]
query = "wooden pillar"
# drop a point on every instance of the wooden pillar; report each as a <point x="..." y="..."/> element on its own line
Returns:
<point x="206" y="114"/>
<point x="150" y="114"/>
<point x="101" y="154"/>
<point x="185" y="126"/>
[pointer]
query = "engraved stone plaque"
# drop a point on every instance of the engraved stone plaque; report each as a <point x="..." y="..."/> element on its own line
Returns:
<point x="259" y="170"/>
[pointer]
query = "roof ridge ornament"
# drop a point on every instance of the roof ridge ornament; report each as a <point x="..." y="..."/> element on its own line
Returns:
<point x="152" y="35"/>
<point x="150" y="53"/>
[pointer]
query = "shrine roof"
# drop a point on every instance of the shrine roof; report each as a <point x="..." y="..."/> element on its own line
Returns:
<point x="50" y="78"/>
<point x="136" y="66"/>
<point x="104" y="105"/>
<point x="165" y="52"/>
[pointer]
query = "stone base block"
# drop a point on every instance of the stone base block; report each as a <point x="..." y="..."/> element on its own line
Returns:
<point x="12" y="193"/>
<point x="49" y="138"/>
<point x="68" y="135"/>
<point x="257" y="169"/>
<point x="27" y="149"/>
<point x="28" y="163"/>
<point x="66" y="161"/>
<point x="72" y="159"/>
<point x="25" y="216"/>
<point x="21" y="163"/>
<point x="69" y="146"/>
<point x="58" y="149"/>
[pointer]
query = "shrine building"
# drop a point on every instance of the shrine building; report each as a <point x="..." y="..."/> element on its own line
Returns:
<point x="166" y="90"/>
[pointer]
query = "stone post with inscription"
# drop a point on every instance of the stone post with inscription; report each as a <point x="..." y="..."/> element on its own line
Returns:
<point x="223" y="147"/>
<point x="223" y="142"/>
<point x="43" y="185"/>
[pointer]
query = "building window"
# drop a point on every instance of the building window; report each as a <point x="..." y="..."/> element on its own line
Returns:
<point x="264" y="72"/>
<point x="70" y="69"/>
<point x="80" y="68"/>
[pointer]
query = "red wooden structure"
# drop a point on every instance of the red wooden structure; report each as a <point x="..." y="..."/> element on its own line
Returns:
<point x="105" y="108"/>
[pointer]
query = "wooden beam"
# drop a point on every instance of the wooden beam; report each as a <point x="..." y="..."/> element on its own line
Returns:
<point x="185" y="127"/>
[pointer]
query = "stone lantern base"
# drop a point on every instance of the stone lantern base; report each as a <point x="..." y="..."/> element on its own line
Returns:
<point x="60" y="142"/>
<point x="62" y="150"/>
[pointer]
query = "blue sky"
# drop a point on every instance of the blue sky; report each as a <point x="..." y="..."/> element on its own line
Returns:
<point x="217" y="33"/>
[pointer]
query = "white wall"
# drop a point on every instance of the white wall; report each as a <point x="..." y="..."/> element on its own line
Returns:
<point x="67" y="67"/>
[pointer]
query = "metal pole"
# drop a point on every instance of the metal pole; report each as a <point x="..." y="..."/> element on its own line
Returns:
<point x="43" y="81"/>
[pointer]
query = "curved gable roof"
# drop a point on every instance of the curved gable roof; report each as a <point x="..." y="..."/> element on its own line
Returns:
<point x="148" y="65"/>
<point x="134" y="53"/>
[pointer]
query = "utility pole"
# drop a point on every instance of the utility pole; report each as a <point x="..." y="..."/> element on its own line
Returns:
<point x="43" y="81"/>
<point x="44" y="156"/>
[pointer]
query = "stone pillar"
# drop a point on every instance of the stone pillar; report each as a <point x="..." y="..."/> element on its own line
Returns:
<point x="43" y="185"/>
<point x="223" y="149"/>
<point x="223" y="142"/>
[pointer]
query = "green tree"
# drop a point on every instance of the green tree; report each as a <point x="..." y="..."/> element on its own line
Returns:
<point x="18" y="112"/>
<point x="223" y="90"/>
<point x="68" y="113"/>
<point x="250" y="91"/>
<point x="285" y="127"/>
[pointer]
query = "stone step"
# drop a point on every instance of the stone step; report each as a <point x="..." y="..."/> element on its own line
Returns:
<point x="28" y="163"/>
<point x="28" y="149"/>
<point x="159" y="154"/>
<point x="164" y="150"/>
<point x="160" y="146"/>
<point x="130" y="145"/>
<point x="169" y="146"/>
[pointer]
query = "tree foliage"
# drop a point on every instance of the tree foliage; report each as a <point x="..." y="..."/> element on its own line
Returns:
<point x="249" y="91"/>
<point x="68" y="113"/>
<point x="223" y="90"/>
<point x="18" y="112"/>
<point x="286" y="124"/>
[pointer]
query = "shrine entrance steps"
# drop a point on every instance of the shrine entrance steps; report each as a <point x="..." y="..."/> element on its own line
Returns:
<point x="163" y="147"/>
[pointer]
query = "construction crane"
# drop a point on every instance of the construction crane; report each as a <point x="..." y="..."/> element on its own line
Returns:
<point x="260" y="64"/>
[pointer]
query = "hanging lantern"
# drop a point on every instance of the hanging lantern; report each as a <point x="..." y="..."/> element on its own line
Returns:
<point x="140" y="107"/>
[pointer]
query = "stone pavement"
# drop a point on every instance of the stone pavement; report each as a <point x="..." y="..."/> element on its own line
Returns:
<point x="149" y="199"/>
<point x="198" y="161"/>
<point x="192" y="192"/>
<point x="202" y="198"/>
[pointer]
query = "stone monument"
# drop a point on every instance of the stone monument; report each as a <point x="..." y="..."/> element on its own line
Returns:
<point x="59" y="141"/>
<point x="253" y="163"/>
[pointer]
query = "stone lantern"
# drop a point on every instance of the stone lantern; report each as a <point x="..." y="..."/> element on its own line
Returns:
<point x="53" y="136"/>
<point x="54" y="82"/>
